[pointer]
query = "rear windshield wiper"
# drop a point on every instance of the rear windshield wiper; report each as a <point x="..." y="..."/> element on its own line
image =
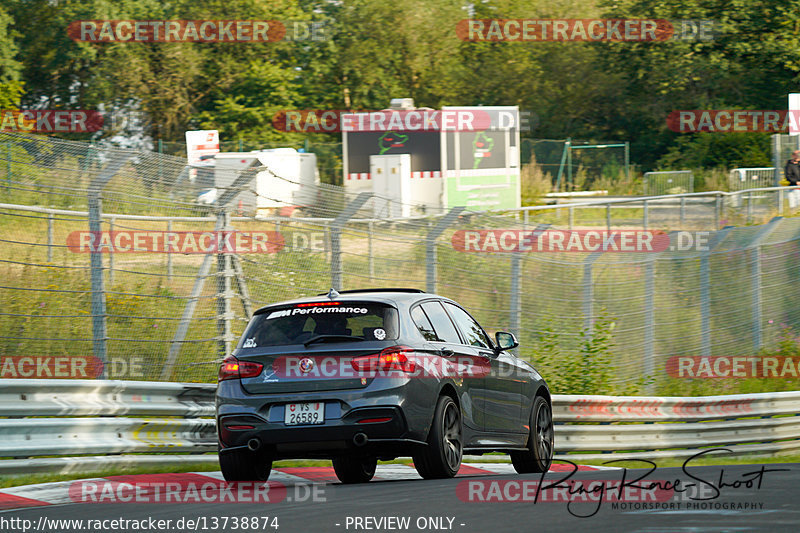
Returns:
<point x="332" y="338"/>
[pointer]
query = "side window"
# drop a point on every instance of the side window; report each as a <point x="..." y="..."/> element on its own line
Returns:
<point x="469" y="328"/>
<point x="423" y="324"/>
<point x="442" y="325"/>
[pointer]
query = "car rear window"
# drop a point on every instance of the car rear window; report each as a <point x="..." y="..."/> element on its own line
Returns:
<point x="297" y="324"/>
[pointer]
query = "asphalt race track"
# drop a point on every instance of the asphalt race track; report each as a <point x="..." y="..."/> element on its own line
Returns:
<point x="738" y="498"/>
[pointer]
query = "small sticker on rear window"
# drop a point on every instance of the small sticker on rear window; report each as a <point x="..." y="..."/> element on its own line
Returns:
<point x="379" y="333"/>
<point x="249" y="343"/>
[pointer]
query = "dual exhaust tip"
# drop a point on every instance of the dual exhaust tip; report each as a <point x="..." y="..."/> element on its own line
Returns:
<point x="359" y="439"/>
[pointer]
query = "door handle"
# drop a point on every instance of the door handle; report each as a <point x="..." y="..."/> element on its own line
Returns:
<point x="446" y="352"/>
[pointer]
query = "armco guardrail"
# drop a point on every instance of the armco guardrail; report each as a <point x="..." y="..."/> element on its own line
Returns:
<point x="88" y="417"/>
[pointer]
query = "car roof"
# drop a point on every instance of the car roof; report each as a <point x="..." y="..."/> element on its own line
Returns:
<point x="389" y="296"/>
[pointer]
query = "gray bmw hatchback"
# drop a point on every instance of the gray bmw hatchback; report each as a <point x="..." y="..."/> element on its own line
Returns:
<point x="367" y="375"/>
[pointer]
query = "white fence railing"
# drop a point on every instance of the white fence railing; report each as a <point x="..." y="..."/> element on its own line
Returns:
<point x="752" y="178"/>
<point x="107" y="417"/>
<point x="668" y="182"/>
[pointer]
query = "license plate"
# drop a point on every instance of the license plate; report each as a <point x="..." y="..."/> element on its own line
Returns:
<point x="296" y="414"/>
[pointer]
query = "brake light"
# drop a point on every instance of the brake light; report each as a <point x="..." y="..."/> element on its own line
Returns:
<point x="392" y="358"/>
<point x="317" y="304"/>
<point x="232" y="368"/>
<point x="374" y="420"/>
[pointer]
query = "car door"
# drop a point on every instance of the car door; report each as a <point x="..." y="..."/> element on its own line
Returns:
<point x="470" y="367"/>
<point x="502" y="388"/>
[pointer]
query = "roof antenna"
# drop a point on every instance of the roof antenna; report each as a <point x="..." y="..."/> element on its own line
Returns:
<point x="332" y="294"/>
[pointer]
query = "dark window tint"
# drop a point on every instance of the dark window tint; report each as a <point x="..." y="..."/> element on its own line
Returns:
<point x="297" y="324"/>
<point x="423" y="324"/>
<point x="471" y="330"/>
<point x="442" y="325"/>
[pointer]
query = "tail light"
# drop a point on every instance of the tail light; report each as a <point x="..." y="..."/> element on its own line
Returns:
<point x="392" y="358"/>
<point x="232" y="368"/>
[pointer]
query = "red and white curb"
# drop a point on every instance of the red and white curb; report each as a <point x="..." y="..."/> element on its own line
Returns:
<point x="62" y="492"/>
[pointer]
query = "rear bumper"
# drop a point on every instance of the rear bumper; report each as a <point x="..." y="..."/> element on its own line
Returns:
<point x="336" y="436"/>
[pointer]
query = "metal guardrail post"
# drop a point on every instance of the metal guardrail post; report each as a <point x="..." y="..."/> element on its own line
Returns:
<point x="608" y="217"/>
<point x="430" y="246"/>
<point x="717" y="210"/>
<point x="571" y="217"/>
<point x="336" y="236"/>
<point x="749" y="207"/>
<point x="50" y="238"/>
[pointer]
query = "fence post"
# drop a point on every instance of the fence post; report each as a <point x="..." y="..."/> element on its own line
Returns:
<point x="608" y="217"/>
<point x="50" y="238"/>
<point x="111" y="223"/>
<point x="683" y="211"/>
<point x="169" y="253"/>
<point x="705" y="292"/>
<point x="336" y="236"/>
<point x="644" y="215"/>
<point x="98" y="306"/>
<point x="649" y="319"/>
<point x="588" y="292"/>
<point x="224" y="292"/>
<point x="755" y="278"/>
<point x="571" y="217"/>
<point x="717" y="210"/>
<point x="515" y="308"/>
<point x="431" y="260"/>
<point x="749" y="206"/>
<point x="8" y="166"/>
<point x="371" y="258"/>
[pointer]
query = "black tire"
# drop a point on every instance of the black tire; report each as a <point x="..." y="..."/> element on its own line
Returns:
<point x="244" y="465"/>
<point x="354" y="468"/>
<point x="539" y="455"/>
<point x="442" y="457"/>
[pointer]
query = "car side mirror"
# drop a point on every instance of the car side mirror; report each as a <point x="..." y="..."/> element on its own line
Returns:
<point x="505" y="340"/>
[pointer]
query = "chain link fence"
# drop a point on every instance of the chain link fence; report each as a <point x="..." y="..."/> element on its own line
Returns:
<point x="159" y="312"/>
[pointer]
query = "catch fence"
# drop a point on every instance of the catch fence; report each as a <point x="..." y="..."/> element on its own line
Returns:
<point x="171" y="316"/>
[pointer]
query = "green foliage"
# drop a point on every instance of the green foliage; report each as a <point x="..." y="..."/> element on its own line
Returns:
<point x="585" y="367"/>
<point x="715" y="150"/>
